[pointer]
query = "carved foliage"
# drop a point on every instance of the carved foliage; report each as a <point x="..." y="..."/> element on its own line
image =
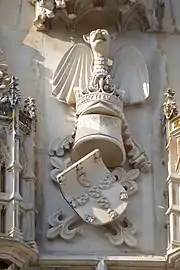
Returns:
<point x="72" y="11"/>
<point x="29" y="107"/>
<point x="170" y="106"/>
<point x="4" y="77"/>
<point x="10" y="98"/>
<point x="61" y="145"/>
<point x="60" y="225"/>
<point x="124" y="233"/>
<point x="57" y="151"/>
<point x="9" y="90"/>
<point x="127" y="179"/>
<point x="136" y="157"/>
<point x="117" y="232"/>
<point x="58" y="166"/>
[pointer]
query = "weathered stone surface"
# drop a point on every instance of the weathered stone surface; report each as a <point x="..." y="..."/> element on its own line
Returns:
<point x="32" y="56"/>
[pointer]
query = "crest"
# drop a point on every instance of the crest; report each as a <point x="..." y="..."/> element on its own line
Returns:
<point x="92" y="190"/>
<point x="85" y="79"/>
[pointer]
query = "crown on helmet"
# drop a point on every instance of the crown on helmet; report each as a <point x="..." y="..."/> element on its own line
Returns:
<point x="98" y="102"/>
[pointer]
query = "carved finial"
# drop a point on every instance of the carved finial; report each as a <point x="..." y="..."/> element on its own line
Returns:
<point x="169" y="105"/>
<point x="4" y="78"/>
<point x="14" y="96"/>
<point x="10" y="97"/>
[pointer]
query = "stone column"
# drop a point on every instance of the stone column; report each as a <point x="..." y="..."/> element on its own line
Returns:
<point x="29" y="188"/>
<point x="28" y="176"/>
<point x="13" y="179"/>
<point x="173" y="182"/>
<point x="12" y="211"/>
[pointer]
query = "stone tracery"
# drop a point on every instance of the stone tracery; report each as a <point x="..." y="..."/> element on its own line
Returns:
<point x="16" y="121"/>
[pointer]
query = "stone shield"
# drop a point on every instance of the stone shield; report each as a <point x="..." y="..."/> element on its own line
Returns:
<point x="92" y="191"/>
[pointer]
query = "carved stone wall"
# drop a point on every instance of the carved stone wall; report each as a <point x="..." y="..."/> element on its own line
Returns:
<point x="143" y="15"/>
<point x="123" y="14"/>
<point x="17" y="186"/>
<point x="33" y="56"/>
<point x="56" y="228"/>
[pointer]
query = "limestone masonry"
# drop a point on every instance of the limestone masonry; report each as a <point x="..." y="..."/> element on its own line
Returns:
<point x="89" y="134"/>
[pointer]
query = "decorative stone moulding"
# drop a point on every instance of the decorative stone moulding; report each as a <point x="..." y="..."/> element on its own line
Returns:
<point x="122" y="14"/>
<point x="173" y="180"/>
<point x="17" y="185"/>
<point x="15" y="254"/>
<point x="88" y="164"/>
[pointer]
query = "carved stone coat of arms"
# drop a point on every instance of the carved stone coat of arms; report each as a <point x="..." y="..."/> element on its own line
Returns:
<point x="98" y="88"/>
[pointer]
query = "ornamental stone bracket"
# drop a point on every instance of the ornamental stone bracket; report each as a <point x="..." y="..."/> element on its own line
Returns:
<point x="17" y="185"/>
<point x="123" y="14"/>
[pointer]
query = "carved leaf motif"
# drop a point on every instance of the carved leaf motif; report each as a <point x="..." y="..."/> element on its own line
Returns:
<point x="54" y="219"/>
<point x="117" y="239"/>
<point x="60" y="145"/>
<point x="53" y="232"/>
<point x="54" y="173"/>
<point x="170" y="105"/>
<point x="129" y="239"/>
<point x="128" y="232"/>
<point x="59" y="166"/>
<point x="132" y="174"/>
<point x="132" y="12"/>
<point x="119" y="173"/>
<point x="124" y="234"/>
<point x="60" y="226"/>
<point x="57" y="163"/>
<point x="130" y="186"/>
<point x="127" y="179"/>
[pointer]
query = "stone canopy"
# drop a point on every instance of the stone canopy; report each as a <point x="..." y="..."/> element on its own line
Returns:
<point x="73" y="14"/>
